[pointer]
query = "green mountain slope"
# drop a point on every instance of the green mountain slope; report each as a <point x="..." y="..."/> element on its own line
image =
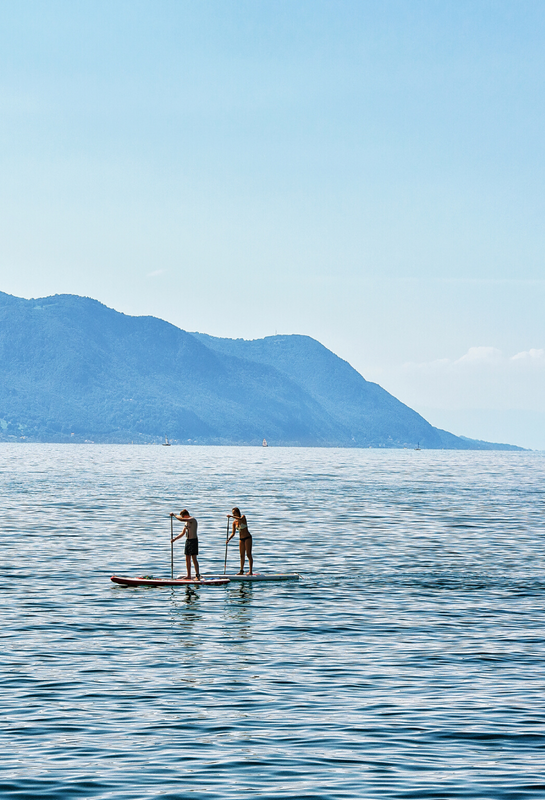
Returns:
<point x="72" y="369"/>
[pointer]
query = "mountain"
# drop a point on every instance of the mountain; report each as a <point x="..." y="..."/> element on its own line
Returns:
<point x="74" y="370"/>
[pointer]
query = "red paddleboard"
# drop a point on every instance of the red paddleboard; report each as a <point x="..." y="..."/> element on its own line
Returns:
<point x="169" y="581"/>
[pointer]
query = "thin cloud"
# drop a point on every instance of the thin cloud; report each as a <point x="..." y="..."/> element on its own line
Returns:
<point x="533" y="356"/>
<point x="156" y="273"/>
<point x="481" y="355"/>
<point x="483" y="378"/>
<point x="480" y="358"/>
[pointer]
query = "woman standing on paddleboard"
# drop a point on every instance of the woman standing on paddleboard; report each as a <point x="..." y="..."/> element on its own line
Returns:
<point x="245" y="543"/>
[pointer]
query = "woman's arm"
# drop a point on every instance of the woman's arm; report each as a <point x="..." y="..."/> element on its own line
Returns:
<point x="235" y="525"/>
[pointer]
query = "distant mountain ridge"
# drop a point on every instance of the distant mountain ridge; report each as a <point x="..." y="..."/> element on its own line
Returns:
<point x="73" y="369"/>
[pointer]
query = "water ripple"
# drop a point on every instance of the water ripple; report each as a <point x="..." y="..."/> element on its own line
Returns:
<point x="407" y="663"/>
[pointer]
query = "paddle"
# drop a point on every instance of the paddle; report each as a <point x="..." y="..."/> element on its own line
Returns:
<point x="171" y="549"/>
<point x="226" y="543"/>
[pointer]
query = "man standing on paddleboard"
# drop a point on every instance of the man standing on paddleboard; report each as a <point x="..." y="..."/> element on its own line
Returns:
<point x="191" y="543"/>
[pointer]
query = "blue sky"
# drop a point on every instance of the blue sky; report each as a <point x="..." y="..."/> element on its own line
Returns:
<point x="368" y="173"/>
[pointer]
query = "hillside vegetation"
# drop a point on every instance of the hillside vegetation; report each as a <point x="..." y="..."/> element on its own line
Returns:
<point x="74" y="370"/>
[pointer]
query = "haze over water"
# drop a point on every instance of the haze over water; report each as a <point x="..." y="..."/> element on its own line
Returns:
<point x="407" y="663"/>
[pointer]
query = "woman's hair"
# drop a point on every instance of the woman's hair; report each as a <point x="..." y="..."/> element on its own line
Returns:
<point x="236" y="512"/>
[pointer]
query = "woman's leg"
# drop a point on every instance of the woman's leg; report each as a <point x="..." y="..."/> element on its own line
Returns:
<point x="248" y="543"/>
<point x="242" y="551"/>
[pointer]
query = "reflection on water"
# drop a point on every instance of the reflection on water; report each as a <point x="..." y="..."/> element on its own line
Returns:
<point x="408" y="662"/>
<point x="239" y="616"/>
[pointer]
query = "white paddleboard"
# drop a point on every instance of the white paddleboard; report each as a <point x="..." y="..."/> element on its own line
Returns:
<point x="258" y="576"/>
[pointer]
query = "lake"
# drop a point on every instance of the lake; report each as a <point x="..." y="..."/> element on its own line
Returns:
<point x="408" y="661"/>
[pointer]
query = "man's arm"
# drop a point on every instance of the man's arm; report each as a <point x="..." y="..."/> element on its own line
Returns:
<point x="183" y="533"/>
<point x="182" y="519"/>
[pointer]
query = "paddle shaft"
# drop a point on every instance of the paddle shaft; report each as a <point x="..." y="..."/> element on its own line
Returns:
<point x="171" y="549"/>
<point x="226" y="543"/>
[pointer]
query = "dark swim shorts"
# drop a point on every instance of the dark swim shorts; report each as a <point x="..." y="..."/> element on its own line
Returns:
<point x="192" y="547"/>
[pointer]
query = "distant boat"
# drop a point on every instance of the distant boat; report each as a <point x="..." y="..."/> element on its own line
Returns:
<point x="166" y="443"/>
<point x="265" y="443"/>
<point x="418" y="447"/>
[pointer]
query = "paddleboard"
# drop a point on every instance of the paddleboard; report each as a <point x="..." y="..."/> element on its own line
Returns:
<point x="216" y="581"/>
<point x="257" y="576"/>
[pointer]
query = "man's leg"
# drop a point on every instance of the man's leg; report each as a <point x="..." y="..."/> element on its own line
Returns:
<point x="188" y="566"/>
<point x="196" y="565"/>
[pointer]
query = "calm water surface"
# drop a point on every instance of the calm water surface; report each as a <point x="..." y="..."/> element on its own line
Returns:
<point x="409" y="662"/>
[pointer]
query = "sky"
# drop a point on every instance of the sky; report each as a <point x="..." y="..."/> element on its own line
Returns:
<point x="366" y="172"/>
